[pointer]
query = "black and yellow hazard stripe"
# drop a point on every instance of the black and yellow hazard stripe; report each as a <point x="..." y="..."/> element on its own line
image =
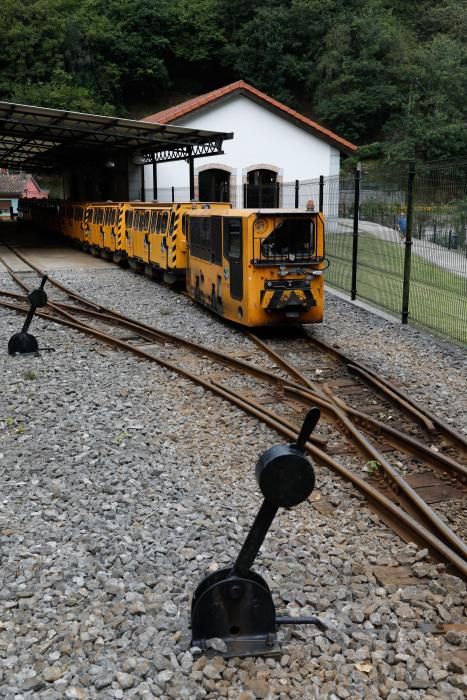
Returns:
<point x="119" y="237"/>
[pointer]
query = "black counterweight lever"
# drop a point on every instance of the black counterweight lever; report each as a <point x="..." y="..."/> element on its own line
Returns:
<point x="23" y="342"/>
<point x="235" y="604"/>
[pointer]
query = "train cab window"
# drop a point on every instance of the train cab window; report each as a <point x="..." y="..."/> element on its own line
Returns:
<point x="233" y="239"/>
<point x="152" y="227"/>
<point x="292" y="239"/>
<point x="146" y="221"/>
<point x="165" y="217"/>
<point x="101" y="216"/>
<point x="113" y="214"/>
<point x="200" y="237"/>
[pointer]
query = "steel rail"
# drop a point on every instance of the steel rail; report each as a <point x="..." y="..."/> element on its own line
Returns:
<point x="438" y="545"/>
<point x="154" y="334"/>
<point x="417" y="531"/>
<point x="282" y="362"/>
<point x="433" y="420"/>
<point x="427" y="513"/>
<point x="420" y="532"/>
<point x="413" y="500"/>
<point x="440" y="425"/>
<point x="401" y="441"/>
<point x="412" y="446"/>
<point x="364" y="445"/>
<point x="389" y="394"/>
<point x="135" y="325"/>
<point x="150" y="333"/>
<point x="271" y="414"/>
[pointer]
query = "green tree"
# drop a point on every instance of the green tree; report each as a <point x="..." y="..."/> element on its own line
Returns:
<point x="362" y="71"/>
<point x="432" y="123"/>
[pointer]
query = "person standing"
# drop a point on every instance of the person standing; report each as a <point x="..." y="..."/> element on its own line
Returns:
<point x="402" y="224"/>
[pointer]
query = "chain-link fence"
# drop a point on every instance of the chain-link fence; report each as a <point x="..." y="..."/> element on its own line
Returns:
<point x="396" y="238"/>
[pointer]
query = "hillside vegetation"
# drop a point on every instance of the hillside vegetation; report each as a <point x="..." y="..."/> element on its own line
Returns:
<point x="389" y="75"/>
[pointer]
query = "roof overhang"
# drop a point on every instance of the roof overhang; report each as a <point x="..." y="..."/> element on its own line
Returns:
<point x="38" y="138"/>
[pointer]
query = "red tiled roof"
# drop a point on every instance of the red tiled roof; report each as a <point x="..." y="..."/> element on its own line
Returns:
<point x="13" y="183"/>
<point x="181" y="110"/>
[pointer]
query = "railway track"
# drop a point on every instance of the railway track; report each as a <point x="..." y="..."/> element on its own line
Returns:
<point x="408" y="463"/>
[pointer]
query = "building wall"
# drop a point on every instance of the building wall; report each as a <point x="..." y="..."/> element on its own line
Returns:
<point x="261" y="139"/>
<point x="32" y="190"/>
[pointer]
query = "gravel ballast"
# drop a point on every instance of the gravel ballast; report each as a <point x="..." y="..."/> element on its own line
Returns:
<point x="123" y="485"/>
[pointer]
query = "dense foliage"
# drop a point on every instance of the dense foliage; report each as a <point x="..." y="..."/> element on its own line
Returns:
<point x="390" y="75"/>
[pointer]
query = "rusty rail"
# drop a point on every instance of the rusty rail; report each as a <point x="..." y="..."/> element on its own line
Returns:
<point x="274" y="421"/>
<point x="441" y="426"/>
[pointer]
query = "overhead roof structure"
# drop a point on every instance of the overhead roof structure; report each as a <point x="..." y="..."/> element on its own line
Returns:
<point x="38" y="138"/>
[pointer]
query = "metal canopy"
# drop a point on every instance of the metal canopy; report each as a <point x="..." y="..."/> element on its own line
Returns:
<point x="38" y="138"/>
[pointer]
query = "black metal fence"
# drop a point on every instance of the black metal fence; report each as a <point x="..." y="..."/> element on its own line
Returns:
<point x="395" y="238"/>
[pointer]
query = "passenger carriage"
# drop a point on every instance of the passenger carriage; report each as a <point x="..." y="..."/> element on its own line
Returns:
<point x="155" y="236"/>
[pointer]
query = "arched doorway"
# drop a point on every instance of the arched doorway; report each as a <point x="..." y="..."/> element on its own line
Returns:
<point x="262" y="189"/>
<point x="214" y="185"/>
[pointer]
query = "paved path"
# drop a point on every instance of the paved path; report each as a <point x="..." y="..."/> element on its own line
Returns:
<point x="54" y="258"/>
<point x="452" y="260"/>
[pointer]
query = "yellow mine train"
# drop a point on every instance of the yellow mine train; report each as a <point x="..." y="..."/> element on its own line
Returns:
<point x="256" y="267"/>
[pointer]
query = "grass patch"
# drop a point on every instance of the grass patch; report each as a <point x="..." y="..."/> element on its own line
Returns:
<point x="438" y="297"/>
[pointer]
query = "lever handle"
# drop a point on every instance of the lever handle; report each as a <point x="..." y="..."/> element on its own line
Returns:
<point x="288" y="620"/>
<point x="309" y="424"/>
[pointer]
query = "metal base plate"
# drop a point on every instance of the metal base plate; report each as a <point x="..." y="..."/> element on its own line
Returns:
<point x="244" y="647"/>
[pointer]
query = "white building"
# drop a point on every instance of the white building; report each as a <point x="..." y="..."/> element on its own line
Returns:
<point x="272" y="145"/>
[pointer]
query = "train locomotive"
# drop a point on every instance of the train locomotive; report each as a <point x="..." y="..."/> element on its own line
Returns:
<point x="255" y="267"/>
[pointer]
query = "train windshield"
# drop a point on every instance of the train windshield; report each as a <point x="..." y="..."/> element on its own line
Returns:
<point x="291" y="240"/>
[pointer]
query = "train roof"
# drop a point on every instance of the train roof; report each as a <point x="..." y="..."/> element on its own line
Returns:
<point x="262" y="212"/>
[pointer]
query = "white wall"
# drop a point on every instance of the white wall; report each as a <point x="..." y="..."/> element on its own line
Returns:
<point x="261" y="139"/>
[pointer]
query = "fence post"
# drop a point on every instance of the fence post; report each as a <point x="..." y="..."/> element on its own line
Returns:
<point x="154" y="181"/>
<point x="143" y="185"/>
<point x="297" y="189"/>
<point x="173" y="193"/>
<point x="408" y="244"/>
<point x="321" y="193"/>
<point x="356" y="209"/>
<point x="191" y="165"/>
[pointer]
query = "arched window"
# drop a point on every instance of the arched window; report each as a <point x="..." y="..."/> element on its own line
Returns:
<point x="262" y="189"/>
<point x="214" y="185"/>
